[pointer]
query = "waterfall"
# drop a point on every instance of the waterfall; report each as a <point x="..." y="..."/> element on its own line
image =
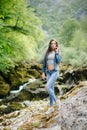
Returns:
<point x="14" y="93"/>
<point x="22" y="86"/>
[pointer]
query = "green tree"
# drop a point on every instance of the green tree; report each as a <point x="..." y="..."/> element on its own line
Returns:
<point x="67" y="31"/>
<point x="84" y="24"/>
<point x="20" y="33"/>
<point x="79" y="41"/>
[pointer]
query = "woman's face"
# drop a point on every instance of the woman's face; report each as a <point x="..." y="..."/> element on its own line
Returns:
<point x="53" y="45"/>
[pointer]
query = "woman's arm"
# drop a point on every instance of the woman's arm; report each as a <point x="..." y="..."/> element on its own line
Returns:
<point x="44" y="69"/>
<point x="44" y="66"/>
<point x="57" y="57"/>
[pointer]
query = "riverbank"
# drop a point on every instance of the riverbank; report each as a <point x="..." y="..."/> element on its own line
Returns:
<point x="34" y="88"/>
<point x="71" y="116"/>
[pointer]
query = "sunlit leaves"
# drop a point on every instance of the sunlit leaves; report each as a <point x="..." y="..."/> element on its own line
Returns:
<point x="68" y="30"/>
<point x="20" y="33"/>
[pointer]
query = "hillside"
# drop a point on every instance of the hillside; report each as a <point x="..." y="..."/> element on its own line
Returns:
<point x="66" y="21"/>
<point x="53" y="13"/>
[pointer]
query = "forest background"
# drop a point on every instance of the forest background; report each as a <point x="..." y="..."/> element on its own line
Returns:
<point x="27" y="26"/>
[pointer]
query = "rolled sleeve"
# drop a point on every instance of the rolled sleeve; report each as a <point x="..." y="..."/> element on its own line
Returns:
<point x="44" y="66"/>
<point x="44" y="69"/>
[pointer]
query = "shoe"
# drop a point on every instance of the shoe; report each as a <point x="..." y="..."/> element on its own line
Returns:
<point x="50" y="110"/>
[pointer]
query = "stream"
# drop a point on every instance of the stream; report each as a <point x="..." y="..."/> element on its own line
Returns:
<point x="14" y="93"/>
<point x="22" y="86"/>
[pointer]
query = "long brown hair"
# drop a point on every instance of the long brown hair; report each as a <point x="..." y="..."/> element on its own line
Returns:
<point x="49" y="47"/>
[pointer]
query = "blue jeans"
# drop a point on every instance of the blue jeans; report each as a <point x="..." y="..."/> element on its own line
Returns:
<point x="52" y="76"/>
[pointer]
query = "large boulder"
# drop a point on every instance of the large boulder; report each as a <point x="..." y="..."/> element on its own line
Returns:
<point x="33" y="91"/>
<point x="69" y="73"/>
<point x="70" y="77"/>
<point x="21" y="74"/>
<point x="73" y="112"/>
<point x="34" y="73"/>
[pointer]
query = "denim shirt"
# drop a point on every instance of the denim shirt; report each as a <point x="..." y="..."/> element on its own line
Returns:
<point x="57" y="59"/>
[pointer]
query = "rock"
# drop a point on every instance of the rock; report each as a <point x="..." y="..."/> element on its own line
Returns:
<point x="4" y="87"/>
<point x="34" y="91"/>
<point x="27" y="103"/>
<point x="34" y="72"/>
<point x="57" y="127"/>
<point x="36" y="66"/>
<point x="10" y="107"/>
<point x="71" y="116"/>
<point x="73" y="112"/>
<point x="18" y="76"/>
<point x="71" y="76"/>
<point x="71" y="73"/>
<point x="22" y="73"/>
<point x="23" y="119"/>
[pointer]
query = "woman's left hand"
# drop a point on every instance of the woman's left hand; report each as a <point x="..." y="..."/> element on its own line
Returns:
<point x="57" y="50"/>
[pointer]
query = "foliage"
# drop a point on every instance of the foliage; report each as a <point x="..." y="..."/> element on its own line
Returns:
<point x="23" y="25"/>
<point x="68" y="30"/>
<point x="20" y="33"/>
<point x="74" y="56"/>
<point x="54" y="13"/>
<point x="79" y="41"/>
<point x="75" y="49"/>
<point x="65" y="21"/>
<point x="84" y="24"/>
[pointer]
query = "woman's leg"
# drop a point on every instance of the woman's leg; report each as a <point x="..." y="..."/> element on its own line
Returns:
<point x="50" y="86"/>
<point x="50" y="97"/>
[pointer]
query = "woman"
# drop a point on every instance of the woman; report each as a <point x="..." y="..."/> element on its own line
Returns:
<point x="50" y="70"/>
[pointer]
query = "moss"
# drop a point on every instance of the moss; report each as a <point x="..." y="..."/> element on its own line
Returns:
<point x="36" y="124"/>
<point x="35" y="85"/>
<point x="36" y="66"/>
<point x="4" y="89"/>
<point x="34" y="72"/>
<point x="16" y="106"/>
<point x="24" y="95"/>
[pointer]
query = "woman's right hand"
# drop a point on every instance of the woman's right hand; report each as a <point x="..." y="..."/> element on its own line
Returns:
<point x="43" y="76"/>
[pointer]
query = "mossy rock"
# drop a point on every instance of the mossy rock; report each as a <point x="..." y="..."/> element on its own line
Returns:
<point x="16" y="106"/>
<point x="36" y="66"/>
<point x="21" y="74"/>
<point x="15" y="79"/>
<point x="81" y="73"/>
<point x="4" y="87"/>
<point x="36" y="84"/>
<point x="24" y="95"/>
<point x="5" y="109"/>
<point x="34" y="72"/>
<point x="2" y="109"/>
<point x="31" y="94"/>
